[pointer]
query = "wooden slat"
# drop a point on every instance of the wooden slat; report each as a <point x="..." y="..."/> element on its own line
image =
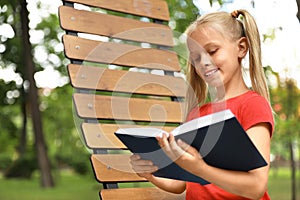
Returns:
<point x="96" y="78"/>
<point x="150" y="193"/>
<point x="101" y="136"/>
<point x="119" y="54"/>
<point x="114" y="168"/>
<point x="114" y="26"/>
<point x="156" y="9"/>
<point x="122" y="108"/>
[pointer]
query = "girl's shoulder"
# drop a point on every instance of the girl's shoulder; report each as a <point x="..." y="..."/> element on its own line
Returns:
<point x="252" y="100"/>
<point x="247" y="96"/>
<point x="252" y="109"/>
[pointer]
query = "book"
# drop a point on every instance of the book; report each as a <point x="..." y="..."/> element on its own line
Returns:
<point x="219" y="138"/>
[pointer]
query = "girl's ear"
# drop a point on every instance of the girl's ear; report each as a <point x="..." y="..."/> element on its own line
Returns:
<point x="243" y="47"/>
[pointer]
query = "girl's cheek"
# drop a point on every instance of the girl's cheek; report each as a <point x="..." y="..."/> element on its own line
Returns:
<point x="200" y="72"/>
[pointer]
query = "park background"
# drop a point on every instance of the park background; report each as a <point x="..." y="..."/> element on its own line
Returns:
<point x="37" y="122"/>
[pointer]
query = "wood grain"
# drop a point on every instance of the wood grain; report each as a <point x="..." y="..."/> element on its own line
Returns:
<point x="157" y="9"/>
<point x="120" y="54"/>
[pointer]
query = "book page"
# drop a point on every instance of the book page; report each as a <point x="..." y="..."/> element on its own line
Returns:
<point x="142" y="132"/>
<point x="203" y="122"/>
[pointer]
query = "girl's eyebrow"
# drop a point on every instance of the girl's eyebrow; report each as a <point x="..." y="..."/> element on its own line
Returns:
<point x="210" y="44"/>
<point x="194" y="54"/>
<point x="194" y="51"/>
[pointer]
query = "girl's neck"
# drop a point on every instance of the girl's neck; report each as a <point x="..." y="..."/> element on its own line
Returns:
<point x="223" y="94"/>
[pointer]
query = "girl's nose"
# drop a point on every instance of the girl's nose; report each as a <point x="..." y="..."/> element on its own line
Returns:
<point x="206" y="61"/>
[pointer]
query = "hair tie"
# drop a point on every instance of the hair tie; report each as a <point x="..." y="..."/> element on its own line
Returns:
<point x="235" y="13"/>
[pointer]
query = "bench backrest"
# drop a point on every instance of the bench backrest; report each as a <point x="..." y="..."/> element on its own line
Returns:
<point x="122" y="68"/>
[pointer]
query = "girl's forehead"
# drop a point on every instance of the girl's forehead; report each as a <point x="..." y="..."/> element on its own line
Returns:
<point x="206" y="33"/>
<point x="203" y="37"/>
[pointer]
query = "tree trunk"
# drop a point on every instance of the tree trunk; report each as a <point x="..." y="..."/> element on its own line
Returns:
<point x="41" y="150"/>
<point x="23" y="138"/>
<point x="293" y="170"/>
<point x="298" y="5"/>
<point x="290" y="101"/>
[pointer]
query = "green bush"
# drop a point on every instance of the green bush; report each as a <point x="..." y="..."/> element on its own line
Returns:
<point x="79" y="163"/>
<point x="5" y="161"/>
<point x="22" y="167"/>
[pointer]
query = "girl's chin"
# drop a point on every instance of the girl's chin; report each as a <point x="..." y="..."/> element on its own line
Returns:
<point x="216" y="82"/>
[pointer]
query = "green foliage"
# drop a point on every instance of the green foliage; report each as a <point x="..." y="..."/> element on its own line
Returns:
<point x="5" y="161"/>
<point x="182" y="13"/>
<point x="23" y="167"/>
<point x="212" y="1"/>
<point x="56" y="106"/>
<point x="285" y="102"/>
<point x="64" y="140"/>
<point x="9" y="126"/>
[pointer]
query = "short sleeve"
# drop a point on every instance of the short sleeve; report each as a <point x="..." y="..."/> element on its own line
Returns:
<point x="256" y="110"/>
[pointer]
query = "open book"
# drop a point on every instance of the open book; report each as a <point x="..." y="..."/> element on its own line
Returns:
<point x="219" y="137"/>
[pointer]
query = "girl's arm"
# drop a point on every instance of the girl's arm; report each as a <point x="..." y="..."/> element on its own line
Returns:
<point x="145" y="168"/>
<point x="252" y="184"/>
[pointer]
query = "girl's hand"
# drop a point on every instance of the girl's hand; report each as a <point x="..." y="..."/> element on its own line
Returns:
<point x="184" y="155"/>
<point x="144" y="168"/>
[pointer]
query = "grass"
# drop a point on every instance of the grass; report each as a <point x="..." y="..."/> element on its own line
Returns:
<point x="74" y="187"/>
<point x="280" y="184"/>
<point x="68" y="187"/>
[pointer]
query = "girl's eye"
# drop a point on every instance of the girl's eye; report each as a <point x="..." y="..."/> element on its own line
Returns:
<point x="212" y="52"/>
<point x="197" y="58"/>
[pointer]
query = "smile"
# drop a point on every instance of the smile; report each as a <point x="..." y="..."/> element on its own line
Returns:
<point x="211" y="72"/>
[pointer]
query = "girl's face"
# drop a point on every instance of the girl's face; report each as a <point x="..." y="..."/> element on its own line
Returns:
<point x="215" y="58"/>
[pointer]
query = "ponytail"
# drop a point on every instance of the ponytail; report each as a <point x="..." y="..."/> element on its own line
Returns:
<point x="257" y="76"/>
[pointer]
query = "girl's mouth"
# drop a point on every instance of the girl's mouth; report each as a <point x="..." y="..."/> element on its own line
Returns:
<point x="210" y="72"/>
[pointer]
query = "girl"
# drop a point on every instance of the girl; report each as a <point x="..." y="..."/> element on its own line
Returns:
<point x="226" y="40"/>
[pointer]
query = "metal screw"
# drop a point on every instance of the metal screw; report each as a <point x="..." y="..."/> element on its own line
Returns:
<point x="90" y="106"/>
<point x="82" y="76"/>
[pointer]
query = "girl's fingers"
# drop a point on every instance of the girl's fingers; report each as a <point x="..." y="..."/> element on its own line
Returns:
<point x="134" y="157"/>
<point x="163" y="142"/>
<point x="141" y="162"/>
<point x="186" y="147"/>
<point x="169" y="146"/>
<point x="183" y="145"/>
<point x="142" y="166"/>
<point x="177" y="150"/>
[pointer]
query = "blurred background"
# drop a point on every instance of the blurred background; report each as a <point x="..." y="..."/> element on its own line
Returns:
<point x="42" y="155"/>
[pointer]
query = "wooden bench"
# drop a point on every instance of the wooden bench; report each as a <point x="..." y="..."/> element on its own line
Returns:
<point x="122" y="69"/>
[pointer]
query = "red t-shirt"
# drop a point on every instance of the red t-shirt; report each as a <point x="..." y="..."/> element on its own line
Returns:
<point x="250" y="109"/>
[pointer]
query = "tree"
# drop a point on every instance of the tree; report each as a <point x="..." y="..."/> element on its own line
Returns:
<point x="22" y="58"/>
<point x="44" y="162"/>
<point x="298" y="5"/>
<point x="285" y="99"/>
<point x="54" y="105"/>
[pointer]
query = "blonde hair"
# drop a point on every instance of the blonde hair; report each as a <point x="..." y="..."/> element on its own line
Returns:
<point x="233" y="29"/>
